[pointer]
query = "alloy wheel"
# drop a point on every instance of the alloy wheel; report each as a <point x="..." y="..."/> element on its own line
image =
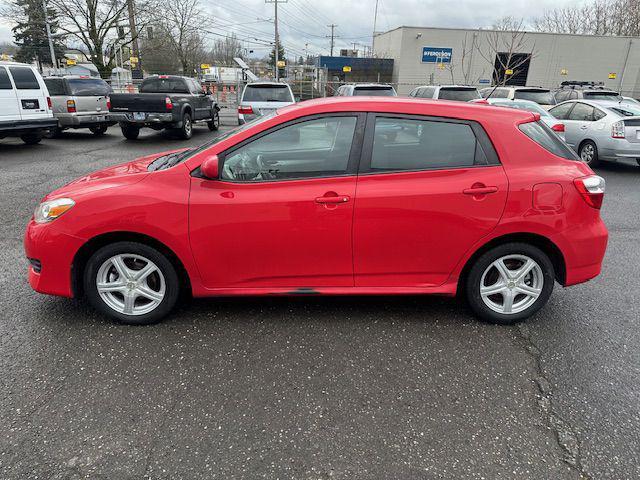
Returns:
<point x="587" y="153"/>
<point x="511" y="284"/>
<point x="130" y="284"/>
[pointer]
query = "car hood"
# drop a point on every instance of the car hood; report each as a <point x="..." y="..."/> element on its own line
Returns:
<point x="116" y="176"/>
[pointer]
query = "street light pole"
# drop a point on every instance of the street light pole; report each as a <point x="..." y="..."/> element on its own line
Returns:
<point x="277" y="37"/>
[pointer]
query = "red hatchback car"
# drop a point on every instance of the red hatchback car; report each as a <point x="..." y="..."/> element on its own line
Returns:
<point x="349" y="195"/>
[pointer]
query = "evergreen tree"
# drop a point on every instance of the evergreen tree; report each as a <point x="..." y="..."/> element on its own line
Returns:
<point x="281" y="57"/>
<point x="30" y="33"/>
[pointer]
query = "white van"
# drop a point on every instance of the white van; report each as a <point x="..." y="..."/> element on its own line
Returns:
<point x="25" y="105"/>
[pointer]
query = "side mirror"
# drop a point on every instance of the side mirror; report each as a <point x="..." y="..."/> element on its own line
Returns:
<point x="209" y="167"/>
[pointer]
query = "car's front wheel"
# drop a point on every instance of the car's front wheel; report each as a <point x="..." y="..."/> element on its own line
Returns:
<point x="131" y="282"/>
<point x="509" y="283"/>
<point x="214" y="123"/>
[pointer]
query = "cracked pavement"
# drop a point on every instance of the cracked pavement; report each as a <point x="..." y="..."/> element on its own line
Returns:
<point x="312" y="388"/>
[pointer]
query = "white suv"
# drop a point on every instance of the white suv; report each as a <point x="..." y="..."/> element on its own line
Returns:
<point x="459" y="93"/>
<point x="542" y="96"/>
<point x="25" y="105"/>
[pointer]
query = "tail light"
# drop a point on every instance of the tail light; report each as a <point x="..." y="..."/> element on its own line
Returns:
<point x="108" y="103"/>
<point x="591" y="189"/>
<point x="617" y="129"/>
<point x="245" y="110"/>
<point x="71" y="106"/>
<point x="49" y="104"/>
<point x="558" y="127"/>
<point x="168" y="103"/>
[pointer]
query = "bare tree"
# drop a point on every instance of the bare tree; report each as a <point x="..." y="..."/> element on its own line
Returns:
<point x="183" y="22"/>
<point x="466" y="56"/>
<point x="225" y="50"/>
<point x="506" y="49"/>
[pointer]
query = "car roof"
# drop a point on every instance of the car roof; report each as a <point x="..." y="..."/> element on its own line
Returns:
<point x="14" y="64"/>
<point x="593" y="103"/>
<point x="406" y="105"/>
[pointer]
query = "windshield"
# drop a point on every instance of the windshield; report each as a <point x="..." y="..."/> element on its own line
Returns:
<point x="88" y="87"/>
<point x="459" y="94"/>
<point x="604" y="95"/>
<point x="172" y="159"/>
<point x="267" y="93"/>
<point x="374" y="92"/>
<point x="543" y="97"/>
<point x="529" y="107"/>
<point x="626" y="110"/>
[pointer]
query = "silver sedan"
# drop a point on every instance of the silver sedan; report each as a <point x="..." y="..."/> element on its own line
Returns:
<point x="601" y="130"/>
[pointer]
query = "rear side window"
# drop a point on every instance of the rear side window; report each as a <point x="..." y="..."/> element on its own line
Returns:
<point x="164" y="85"/>
<point x="547" y="139"/>
<point x="5" y="81"/>
<point x="408" y="144"/>
<point x="267" y="93"/>
<point x="55" y="86"/>
<point x="88" y="87"/>
<point x="24" y="78"/>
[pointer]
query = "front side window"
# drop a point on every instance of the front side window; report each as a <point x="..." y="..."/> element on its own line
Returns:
<point x="582" y="112"/>
<point x="561" y="111"/>
<point x="408" y="144"/>
<point x="313" y="148"/>
<point x="428" y="92"/>
<point x="562" y="96"/>
<point x="24" y="78"/>
<point x="5" y="81"/>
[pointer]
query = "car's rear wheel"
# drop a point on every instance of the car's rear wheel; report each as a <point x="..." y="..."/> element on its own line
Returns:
<point x="131" y="282"/>
<point x="214" y="123"/>
<point x="509" y="283"/>
<point x="31" y="138"/>
<point x="589" y="153"/>
<point x="99" y="130"/>
<point x="186" y="130"/>
<point x="130" y="132"/>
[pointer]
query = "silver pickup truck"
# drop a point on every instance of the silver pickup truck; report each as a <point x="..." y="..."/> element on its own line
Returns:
<point x="80" y="102"/>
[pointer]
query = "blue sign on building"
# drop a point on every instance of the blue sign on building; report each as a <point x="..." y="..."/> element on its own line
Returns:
<point x="436" y="55"/>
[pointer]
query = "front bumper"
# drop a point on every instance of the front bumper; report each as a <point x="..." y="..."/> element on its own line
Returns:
<point x="84" y="120"/>
<point x="54" y="251"/>
<point x="149" y="118"/>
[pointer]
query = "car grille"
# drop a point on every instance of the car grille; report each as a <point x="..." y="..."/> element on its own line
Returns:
<point x="36" y="265"/>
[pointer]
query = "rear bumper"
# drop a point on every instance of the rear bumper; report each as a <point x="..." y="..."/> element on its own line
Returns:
<point x="619" y="149"/>
<point x="54" y="251"/>
<point x="584" y="248"/>
<point x="85" y="120"/>
<point x="15" y="128"/>
<point x="150" y="118"/>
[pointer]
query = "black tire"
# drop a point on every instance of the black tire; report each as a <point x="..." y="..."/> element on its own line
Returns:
<point x="214" y="123"/>
<point x="31" y="138"/>
<point x="638" y="161"/>
<point x="481" y="264"/>
<point x="171" y="281"/>
<point x="130" y="132"/>
<point x="99" y="130"/>
<point x="186" y="130"/>
<point x="584" y="153"/>
<point x="55" y="132"/>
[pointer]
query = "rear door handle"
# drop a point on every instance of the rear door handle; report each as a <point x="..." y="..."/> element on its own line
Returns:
<point x="333" y="199"/>
<point x="480" y="190"/>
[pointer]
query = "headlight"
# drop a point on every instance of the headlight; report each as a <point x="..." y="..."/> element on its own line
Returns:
<point x="49" y="211"/>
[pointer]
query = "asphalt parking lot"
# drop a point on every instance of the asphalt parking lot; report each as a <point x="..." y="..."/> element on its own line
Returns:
<point x="312" y="388"/>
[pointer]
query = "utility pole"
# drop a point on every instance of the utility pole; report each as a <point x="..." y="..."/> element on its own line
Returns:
<point x="375" y="23"/>
<point x="332" y="27"/>
<point x="277" y="37"/>
<point x="51" y="49"/>
<point x="137" y="71"/>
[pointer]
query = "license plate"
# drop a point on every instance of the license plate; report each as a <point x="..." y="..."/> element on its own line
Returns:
<point x="139" y="116"/>
<point x="99" y="118"/>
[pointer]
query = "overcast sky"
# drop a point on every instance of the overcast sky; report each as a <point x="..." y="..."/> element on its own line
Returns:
<point x="304" y="21"/>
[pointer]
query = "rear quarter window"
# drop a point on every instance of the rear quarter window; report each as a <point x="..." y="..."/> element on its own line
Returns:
<point x="547" y="139"/>
<point x="55" y="86"/>
<point x="5" y="81"/>
<point x="24" y="78"/>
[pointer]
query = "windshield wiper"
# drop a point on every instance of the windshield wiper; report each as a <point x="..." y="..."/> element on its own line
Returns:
<point x="168" y="161"/>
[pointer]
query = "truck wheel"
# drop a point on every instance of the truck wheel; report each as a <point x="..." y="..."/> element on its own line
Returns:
<point x="130" y="132"/>
<point x="186" y="131"/>
<point x="31" y="138"/>
<point x="99" y="130"/>
<point x="214" y="123"/>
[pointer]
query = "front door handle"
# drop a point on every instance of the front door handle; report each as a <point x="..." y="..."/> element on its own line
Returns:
<point x="584" y="127"/>
<point x="480" y="190"/>
<point x="332" y="199"/>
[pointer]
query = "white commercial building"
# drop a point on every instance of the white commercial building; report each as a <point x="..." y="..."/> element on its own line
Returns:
<point x="445" y="55"/>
